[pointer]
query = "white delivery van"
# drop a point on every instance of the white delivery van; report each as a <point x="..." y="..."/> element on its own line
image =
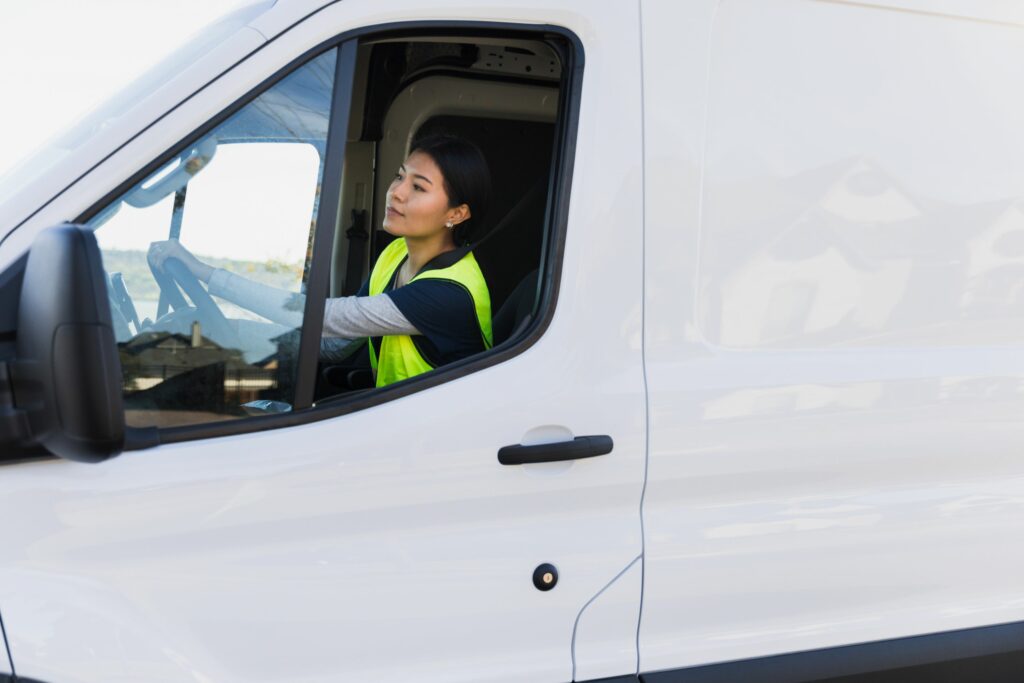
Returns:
<point x="754" y="409"/>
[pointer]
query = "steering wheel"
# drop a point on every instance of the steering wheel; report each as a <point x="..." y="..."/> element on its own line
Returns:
<point x="123" y="300"/>
<point x="211" y="318"/>
<point x="168" y="290"/>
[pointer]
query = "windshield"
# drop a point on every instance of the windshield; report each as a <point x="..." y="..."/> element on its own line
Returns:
<point x="46" y="157"/>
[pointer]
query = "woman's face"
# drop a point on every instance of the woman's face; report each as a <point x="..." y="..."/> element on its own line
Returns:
<point x="417" y="204"/>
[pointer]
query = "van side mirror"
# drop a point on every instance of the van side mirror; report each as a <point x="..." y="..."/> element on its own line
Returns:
<point x="67" y="374"/>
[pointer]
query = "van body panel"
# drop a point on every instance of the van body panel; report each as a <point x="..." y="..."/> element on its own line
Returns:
<point x="284" y="15"/>
<point x="5" y="661"/>
<point x="994" y="11"/>
<point x="604" y="639"/>
<point x="676" y="50"/>
<point x="387" y="544"/>
<point x="835" y="380"/>
<point x="790" y="293"/>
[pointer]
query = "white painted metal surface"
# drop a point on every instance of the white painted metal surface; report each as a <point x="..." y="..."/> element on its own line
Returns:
<point x="389" y="544"/>
<point x="284" y="15"/>
<point x="834" y="326"/>
<point x="833" y="321"/>
<point x="604" y="641"/>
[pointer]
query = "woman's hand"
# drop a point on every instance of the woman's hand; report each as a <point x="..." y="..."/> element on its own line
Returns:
<point x="161" y="251"/>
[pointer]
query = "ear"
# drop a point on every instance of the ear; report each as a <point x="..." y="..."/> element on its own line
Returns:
<point x="459" y="214"/>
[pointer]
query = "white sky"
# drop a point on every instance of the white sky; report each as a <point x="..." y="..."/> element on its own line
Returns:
<point x="59" y="59"/>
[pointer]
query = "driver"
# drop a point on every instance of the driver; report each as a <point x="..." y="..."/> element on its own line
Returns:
<point x="426" y="302"/>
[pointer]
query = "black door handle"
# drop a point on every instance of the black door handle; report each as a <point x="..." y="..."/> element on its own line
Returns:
<point x="580" y="447"/>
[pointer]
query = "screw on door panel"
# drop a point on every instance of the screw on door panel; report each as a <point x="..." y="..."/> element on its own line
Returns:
<point x="545" y="577"/>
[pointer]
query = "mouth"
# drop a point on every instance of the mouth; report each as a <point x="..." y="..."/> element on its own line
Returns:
<point x="391" y="211"/>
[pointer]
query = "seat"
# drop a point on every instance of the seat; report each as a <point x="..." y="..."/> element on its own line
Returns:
<point x="516" y="312"/>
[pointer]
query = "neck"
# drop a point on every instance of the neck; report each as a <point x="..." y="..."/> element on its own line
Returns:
<point x="422" y="250"/>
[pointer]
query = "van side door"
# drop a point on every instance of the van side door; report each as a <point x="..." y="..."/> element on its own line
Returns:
<point x="378" y="538"/>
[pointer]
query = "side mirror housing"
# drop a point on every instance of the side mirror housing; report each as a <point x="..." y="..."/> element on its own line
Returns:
<point x="67" y="374"/>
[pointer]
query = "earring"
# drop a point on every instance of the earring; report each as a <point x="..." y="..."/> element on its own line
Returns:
<point x="449" y="225"/>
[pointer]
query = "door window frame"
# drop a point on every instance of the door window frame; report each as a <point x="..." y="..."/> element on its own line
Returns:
<point x="570" y="50"/>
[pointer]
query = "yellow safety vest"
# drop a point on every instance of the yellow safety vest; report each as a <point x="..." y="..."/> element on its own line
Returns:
<point x="398" y="356"/>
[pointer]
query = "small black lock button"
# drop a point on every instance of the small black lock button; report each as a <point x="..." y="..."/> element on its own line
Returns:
<point x="545" y="577"/>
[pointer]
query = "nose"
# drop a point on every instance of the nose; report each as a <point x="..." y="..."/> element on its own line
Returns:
<point x="398" y="190"/>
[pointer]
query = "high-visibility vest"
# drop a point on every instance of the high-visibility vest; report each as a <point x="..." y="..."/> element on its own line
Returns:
<point x="395" y="357"/>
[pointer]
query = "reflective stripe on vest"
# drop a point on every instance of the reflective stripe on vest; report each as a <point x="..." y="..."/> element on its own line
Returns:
<point x="399" y="358"/>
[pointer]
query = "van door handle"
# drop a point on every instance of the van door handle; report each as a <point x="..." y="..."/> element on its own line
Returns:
<point x="580" y="447"/>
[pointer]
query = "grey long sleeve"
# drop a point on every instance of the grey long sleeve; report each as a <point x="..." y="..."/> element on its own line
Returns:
<point x="365" y="316"/>
<point x="347" y="317"/>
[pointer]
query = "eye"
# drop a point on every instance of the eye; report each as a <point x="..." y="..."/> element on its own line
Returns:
<point x="398" y="176"/>
<point x="417" y="187"/>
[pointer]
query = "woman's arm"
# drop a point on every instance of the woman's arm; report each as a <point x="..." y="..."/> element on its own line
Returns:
<point x="365" y="316"/>
<point x="347" y="317"/>
<point x="277" y="305"/>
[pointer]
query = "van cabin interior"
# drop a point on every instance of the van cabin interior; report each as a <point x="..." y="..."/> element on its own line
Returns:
<point x="500" y="93"/>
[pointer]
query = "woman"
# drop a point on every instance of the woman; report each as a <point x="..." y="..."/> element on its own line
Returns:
<point x="426" y="303"/>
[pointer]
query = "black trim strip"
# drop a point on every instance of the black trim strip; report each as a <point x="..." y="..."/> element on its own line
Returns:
<point x="328" y="218"/>
<point x="563" y="164"/>
<point x="988" y="654"/>
<point x="7" y="646"/>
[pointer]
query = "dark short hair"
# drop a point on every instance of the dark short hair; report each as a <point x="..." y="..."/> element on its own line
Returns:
<point x="467" y="180"/>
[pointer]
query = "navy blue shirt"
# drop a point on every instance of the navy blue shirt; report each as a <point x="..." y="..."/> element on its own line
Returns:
<point x="444" y="313"/>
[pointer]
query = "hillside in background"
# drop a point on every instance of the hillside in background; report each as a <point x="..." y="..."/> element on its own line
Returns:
<point x="141" y="285"/>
